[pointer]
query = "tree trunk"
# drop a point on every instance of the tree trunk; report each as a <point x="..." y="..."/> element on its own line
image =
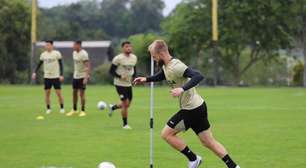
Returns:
<point x="237" y="77"/>
<point x="304" y="49"/>
<point x="304" y="39"/>
<point x="237" y="72"/>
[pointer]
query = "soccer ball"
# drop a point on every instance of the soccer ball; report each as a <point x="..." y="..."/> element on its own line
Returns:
<point x="101" y="105"/>
<point x="106" y="165"/>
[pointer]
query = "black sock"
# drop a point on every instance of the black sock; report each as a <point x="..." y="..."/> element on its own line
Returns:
<point x="124" y="121"/>
<point x="83" y="108"/>
<point x="75" y="107"/>
<point x="115" y="107"/>
<point x="189" y="154"/>
<point x="48" y="106"/>
<point x="62" y="106"/>
<point x="229" y="162"/>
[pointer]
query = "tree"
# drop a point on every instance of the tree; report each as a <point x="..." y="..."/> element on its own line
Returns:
<point x="140" y="44"/>
<point x="116" y="17"/>
<point x="298" y="13"/>
<point x="79" y="20"/>
<point x="14" y="40"/>
<point x="258" y="28"/>
<point x="146" y="15"/>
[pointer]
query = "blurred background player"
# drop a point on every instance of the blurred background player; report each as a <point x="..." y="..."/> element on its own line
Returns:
<point x="193" y="110"/>
<point x="53" y="74"/>
<point x="123" y="69"/>
<point x="80" y="77"/>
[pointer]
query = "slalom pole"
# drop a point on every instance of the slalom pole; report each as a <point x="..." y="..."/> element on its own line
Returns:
<point x="151" y="115"/>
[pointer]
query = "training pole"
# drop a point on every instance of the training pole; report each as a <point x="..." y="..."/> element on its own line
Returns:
<point x="33" y="36"/>
<point x="151" y="114"/>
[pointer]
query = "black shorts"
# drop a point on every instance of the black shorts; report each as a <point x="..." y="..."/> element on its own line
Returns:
<point x="78" y="84"/>
<point x="125" y="93"/>
<point x="52" y="82"/>
<point x="196" y="119"/>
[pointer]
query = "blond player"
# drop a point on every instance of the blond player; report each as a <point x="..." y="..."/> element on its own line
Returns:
<point x="193" y="110"/>
<point x="123" y="69"/>
<point x="53" y="74"/>
<point x="80" y="77"/>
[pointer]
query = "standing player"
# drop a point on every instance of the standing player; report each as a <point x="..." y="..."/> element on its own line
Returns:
<point x="53" y="74"/>
<point x="123" y="69"/>
<point x="80" y="77"/>
<point x="193" y="110"/>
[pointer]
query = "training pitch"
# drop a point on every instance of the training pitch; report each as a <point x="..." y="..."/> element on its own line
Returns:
<point x="261" y="128"/>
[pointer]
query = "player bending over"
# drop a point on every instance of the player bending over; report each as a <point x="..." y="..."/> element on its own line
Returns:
<point x="193" y="110"/>
<point x="53" y="74"/>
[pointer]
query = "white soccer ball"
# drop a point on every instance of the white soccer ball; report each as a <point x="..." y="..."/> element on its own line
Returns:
<point x="101" y="105"/>
<point x="106" y="165"/>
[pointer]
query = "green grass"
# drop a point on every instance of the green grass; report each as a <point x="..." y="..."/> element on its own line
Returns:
<point x="261" y="127"/>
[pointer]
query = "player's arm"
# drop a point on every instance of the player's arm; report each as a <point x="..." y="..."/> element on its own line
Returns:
<point x="135" y="72"/>
<point x="60" y="62"/>
<point x="113" y="72"/>
<point x="38" y="66"/>
<point x="195" y="78"/>
<point x="159" y="76"/>
<point x="87" y="71"/>
<point x="36" y="69"/>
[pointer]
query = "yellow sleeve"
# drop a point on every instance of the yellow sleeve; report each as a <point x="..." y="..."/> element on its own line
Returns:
<point x="85" y="56"/>
<point x="116" y="61"/>
<point x="136" y="59"/>
<point x="41" y="57"/>
<point x="59" y="55"/>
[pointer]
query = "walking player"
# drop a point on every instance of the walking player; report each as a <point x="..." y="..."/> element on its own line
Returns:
<point x="123" y="69"/>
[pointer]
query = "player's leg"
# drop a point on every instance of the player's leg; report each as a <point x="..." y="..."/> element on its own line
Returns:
<point x="74" y="102"/>
<point x="170" y="136"/>
<point x="47" y="88"/>
<point x="127" y="99"/>
<point x="57" y="87"/>
<point x="113" y="107"/>
<point x="200" y="125"/>
<point x="211" y="143"/>
<point x="47" y="100"/>
<point x="124" y="113"/>
<point x="175" y="125"/>
<point x="74" y="98"/>
<point x="83" y="101"/>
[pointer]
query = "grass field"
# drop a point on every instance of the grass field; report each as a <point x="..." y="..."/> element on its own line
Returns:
<point x="261" y="127"/>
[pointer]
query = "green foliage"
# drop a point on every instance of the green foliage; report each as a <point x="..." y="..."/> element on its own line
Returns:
<point x="298" y="74"/>
<point x="141" y="43"/>
<point x="146" y="15"/>
<point x="263" y="27"/>
<point x="94" y="20"/>
<point x="274" y="73"/>
<point x="101" y="75"/>
<point x="14" y="40"/>
<point x="76" y="21"/>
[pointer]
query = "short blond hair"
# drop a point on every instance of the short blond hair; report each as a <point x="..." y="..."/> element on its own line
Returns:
<point x="158" y="46"/>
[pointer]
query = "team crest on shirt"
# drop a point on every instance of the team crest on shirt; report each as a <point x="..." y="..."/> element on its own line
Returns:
<point x="128" y="67"/>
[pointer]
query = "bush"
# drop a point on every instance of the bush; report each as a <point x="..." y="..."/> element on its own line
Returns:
<point x="101" y="75"/>
<point x="298" y="71"/>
